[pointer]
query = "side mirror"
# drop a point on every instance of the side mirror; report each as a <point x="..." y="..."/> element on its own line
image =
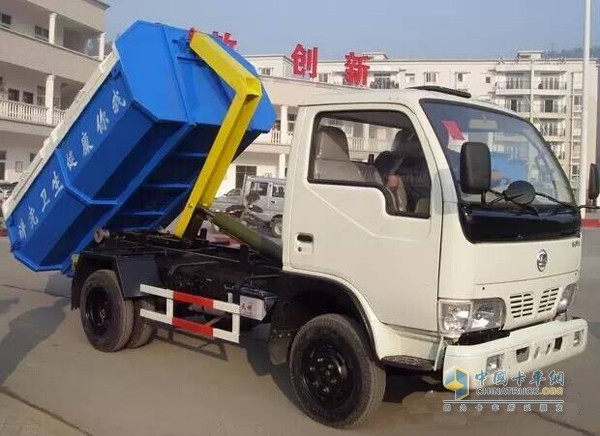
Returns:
<point x="475" y="168"/>
<point x="593" y="183"/>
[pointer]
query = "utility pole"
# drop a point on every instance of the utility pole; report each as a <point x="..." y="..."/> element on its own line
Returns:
<point x="583" y="155"/>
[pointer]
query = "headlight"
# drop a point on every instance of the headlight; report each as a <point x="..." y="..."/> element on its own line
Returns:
<point x="456" y="317"/>
<point x="567" y="298"/>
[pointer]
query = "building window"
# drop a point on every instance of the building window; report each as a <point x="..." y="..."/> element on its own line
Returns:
<point x="27" y="97"/>
<point x="5" y="21"/>
<point x="41" y="33"/>
<point x="18" y="166"/>
<point x="291" y="122"/>
<point x="410" y="79"/>
<point x="488" y="79"/>
<point x="13" y="94"/>
<point x="384" y="81"/>
<point x="460" y="77"/>
<point x="431" y="77"/>
<point x="515" y="104"/>
<point x="552" y="128"/>
<point x="324" y="77"/>
<point x="41" y="96"/>
<point x="241" y="172"/>
<point x="268" y="71"/>
<point x="32" y="157"/>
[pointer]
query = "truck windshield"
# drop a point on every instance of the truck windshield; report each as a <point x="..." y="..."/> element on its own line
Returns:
<point x="517" y="150"/>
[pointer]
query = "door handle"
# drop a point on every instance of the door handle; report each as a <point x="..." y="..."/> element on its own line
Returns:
<point x="304" y="237"/>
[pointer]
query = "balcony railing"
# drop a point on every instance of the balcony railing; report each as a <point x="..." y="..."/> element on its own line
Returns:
<point x="354" y="144"/>
<point x="275" y="137"/>
<point x="514" y="84"/>
<point x="28" y="112"/>
<point x="368" y="145"/>
<point x="552" y="85"/>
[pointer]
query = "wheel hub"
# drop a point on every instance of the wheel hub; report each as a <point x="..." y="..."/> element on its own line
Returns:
<point x="97" y="311"/>
<point x="326" y="374"/>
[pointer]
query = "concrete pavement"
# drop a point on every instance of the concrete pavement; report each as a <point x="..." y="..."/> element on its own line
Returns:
<point x="181" y="384"/>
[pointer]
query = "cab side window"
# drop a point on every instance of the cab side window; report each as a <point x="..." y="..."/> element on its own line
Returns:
<point x="259" y="187"/>
<point x="278" y="191"/>
<point x="378" y="149"/>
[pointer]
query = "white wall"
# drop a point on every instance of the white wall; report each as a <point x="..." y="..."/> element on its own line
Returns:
<point x="281" y="65"/>
<point x="21" y="79"/>
<point x="25" y="17"/>
<point x="17" y="148"/>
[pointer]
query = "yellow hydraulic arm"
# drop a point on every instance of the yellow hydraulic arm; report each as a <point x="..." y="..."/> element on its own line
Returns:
<point x="248" y="92"/>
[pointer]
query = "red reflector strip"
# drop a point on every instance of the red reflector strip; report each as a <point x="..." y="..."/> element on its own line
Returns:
<point x="193" y="299"/>
<point x="202" y="329"/>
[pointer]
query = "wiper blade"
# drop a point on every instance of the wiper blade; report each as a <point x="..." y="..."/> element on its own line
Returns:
<point x="562" y="203"/>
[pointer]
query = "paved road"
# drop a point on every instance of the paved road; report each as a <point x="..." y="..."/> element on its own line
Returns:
<point x="184" y="385"/>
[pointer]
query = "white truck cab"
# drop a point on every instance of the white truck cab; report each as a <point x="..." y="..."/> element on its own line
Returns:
<point x="444" y="279"/>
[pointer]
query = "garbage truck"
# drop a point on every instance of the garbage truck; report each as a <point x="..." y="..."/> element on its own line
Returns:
<point x="423" y="254"/>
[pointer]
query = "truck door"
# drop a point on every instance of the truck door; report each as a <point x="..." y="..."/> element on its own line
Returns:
<point x="277" y="196"/>
<point x="374" y="227"/>
<point x="262" y="189"/>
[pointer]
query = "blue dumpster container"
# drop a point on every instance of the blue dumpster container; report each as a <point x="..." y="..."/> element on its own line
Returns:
<point x="129" y="151"/>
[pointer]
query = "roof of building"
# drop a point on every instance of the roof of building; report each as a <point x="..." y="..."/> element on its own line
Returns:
<point x="103" y="3"/>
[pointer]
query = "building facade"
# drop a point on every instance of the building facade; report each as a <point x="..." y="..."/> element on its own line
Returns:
<point x="548" y="92"/>
<point x="48" y="50"/>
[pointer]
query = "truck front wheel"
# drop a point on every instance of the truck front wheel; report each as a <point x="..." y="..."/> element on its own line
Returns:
<point x="106" y="316"/>
<point x="335" y="376"/>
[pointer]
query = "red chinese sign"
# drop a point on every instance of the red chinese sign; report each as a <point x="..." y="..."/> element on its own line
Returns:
<point x="357" y="69"/>
<point x="226" y="38"/>
<point x="305" y="61"/>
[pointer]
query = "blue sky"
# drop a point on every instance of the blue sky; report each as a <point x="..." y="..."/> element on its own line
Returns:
<point x="421" y="28"/>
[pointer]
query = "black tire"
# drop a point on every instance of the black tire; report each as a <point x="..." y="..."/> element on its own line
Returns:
<point x="144" y="330"/>
<point x="277" y="227"/>
<point x="334" y="374"/>
<point x="107" y="318"/>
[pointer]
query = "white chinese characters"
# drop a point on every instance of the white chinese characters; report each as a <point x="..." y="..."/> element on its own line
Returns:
<point x="118" y="102"/>
<point x="86" y="145"/>
<point x="101" y="122"/>
<point x="22" y="230"/>
<point x="45" y="200"/>
<point x="33" y="219"/>
<point x="57" y="186"/>
<point x="71" y="162"/>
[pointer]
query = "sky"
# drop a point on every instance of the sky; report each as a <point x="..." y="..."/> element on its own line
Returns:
<point x="401" y="28"/>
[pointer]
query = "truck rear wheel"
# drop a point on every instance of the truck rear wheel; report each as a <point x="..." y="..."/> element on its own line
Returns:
<point x="334" y="373"/>
<point x="107" y="318"/>
<point x="144" y="330"/>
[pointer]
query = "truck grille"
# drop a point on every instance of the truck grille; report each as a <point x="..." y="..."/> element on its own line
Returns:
<point x="521" y="305"/>
<point x="548" y="299"/>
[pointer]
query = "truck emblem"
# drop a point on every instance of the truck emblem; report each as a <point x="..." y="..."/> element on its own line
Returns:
<point x="542" y="260"/>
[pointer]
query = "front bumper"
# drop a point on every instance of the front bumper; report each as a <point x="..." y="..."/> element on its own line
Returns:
<point x="524" y="350"/>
